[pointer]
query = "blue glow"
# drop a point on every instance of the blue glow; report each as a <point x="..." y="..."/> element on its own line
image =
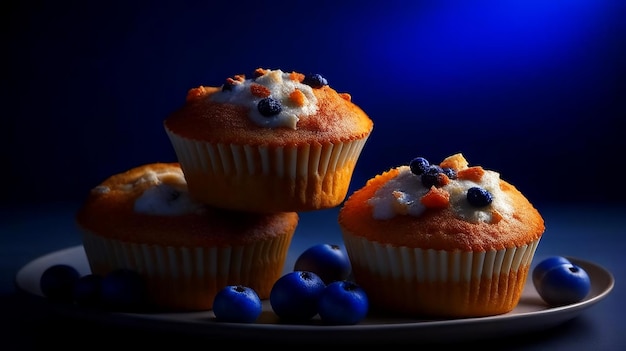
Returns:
<point x="484" y="44"/>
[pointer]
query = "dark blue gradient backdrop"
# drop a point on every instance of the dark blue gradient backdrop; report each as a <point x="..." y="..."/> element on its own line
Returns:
<point x="531" y="88"/>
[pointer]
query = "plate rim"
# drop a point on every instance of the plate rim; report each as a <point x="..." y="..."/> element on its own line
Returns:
<point x="204" y="323"/>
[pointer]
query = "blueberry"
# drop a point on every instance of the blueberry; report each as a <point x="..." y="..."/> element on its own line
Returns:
<point x="87" y="290"/>
<point x="294" y="296"/>
<point x="561" y="284"/>
<point x="328" y="261"/>
<point x="315" y="80"/>
<point x="479" y="197"/>
<point x="419" y="165"/>
<point x="269" y="107"/>
<point x="451" y="173"/>
<point x="123" y="290"/>
<point x="237" y="304"/>
<point x="57" y="282"/>
<point x="432" y="177"/>
<point x="434" y="169"/>
<point x="343" y="303"/>
<point x="546" y="264"/>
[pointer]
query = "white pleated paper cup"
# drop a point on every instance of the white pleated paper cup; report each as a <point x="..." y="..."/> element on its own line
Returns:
<point x="188" y="278"/>
<point x="436" y="283"/>
<point x="266" y="178"/>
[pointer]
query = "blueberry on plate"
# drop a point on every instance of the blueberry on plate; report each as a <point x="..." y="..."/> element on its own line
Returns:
<point x="545" y="265"/>
<point x="237" y="304"/>
<point x="57" y="282"/>
<point x="560" y="282"/>
<point x="343" y="303"/>
<point x="328" y="261"/>
<point x="294" y="296"/>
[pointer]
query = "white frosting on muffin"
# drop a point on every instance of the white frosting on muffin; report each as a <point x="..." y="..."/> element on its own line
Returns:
<point x="402" y="194"/>
<point x="280" y="86"/>
<point x="166" y="194"/>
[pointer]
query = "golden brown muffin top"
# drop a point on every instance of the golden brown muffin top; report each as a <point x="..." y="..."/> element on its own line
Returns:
<point x="273" y="106"/>
<point x="150" y="204"/>
<point x="397" y="208"/>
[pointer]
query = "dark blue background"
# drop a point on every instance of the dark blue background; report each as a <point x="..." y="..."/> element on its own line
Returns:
<point x="533" y="89"/>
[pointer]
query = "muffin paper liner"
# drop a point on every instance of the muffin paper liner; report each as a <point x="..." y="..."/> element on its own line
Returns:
<point x="284" y="162"/>
<point x="440" y="283"/>
<point x="188" y="278"/>
<point x="299" y="177"/>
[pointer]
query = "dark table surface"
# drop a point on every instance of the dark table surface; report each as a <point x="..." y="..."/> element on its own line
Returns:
<point x="591" y="233"/>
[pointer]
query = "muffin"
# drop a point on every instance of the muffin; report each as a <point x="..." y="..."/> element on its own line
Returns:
<point x="277" y="142"/>
<point x="441" y="241"/>
<point x="144" y="220"/>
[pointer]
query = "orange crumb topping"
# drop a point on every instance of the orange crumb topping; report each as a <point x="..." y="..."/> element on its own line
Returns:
<point x="436" y="198"/>
<point x="298" y="77"/>
<point x="496" y="216"/>
<point x="443" y="179"/>
<point x="259" y="90"/>
<point x="196" y="93"/>
<point x="456" y="162"/>
<point x="472" y="173"/>
<point x="237" y="79"/>
<point x="297" y="97"/>
<point x="259" y="72"/>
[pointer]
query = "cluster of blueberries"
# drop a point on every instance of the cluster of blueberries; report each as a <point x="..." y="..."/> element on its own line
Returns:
<point x="119" y="290"/>
<point x="319" y="284"/>
<point x="431" y="175"/>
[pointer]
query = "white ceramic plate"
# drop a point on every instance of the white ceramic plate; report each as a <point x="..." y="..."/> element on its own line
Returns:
<point x="531" y="314"/>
